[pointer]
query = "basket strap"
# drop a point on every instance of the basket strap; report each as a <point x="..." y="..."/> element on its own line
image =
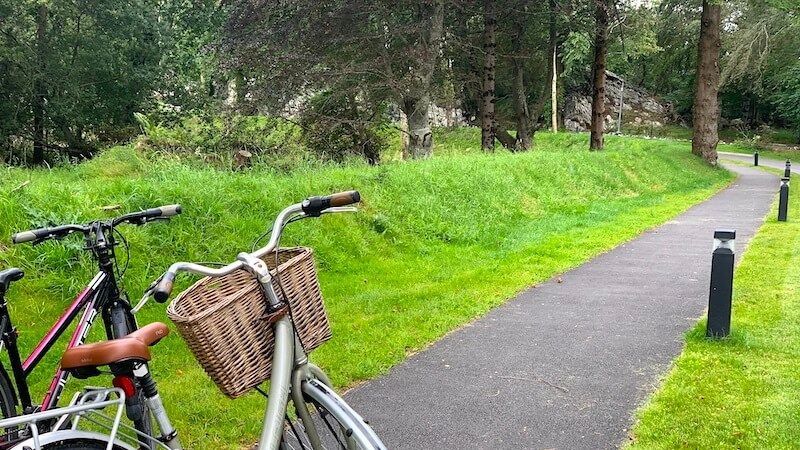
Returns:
<point x="276" y="314"/>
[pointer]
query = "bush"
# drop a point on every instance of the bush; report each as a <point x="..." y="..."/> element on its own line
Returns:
<point x="337" y="126"/>
<point x="228" y="140"/>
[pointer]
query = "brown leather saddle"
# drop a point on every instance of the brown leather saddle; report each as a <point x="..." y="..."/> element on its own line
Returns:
<point x="84" y="361"/>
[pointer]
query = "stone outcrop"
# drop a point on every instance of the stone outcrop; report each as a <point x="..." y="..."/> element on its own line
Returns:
<point x="639" y="107"/>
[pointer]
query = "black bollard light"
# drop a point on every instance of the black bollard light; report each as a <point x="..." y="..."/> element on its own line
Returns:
<point x="783" y="201"/>
<point x="755" y="158"/>
<point x="788" y="171"/>
<point x="720" y="294"/>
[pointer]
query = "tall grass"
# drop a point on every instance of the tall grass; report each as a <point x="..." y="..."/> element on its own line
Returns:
<point x="438" y="243"/>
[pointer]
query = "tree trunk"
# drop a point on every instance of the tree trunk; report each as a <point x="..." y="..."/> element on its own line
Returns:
<point x="420" y="137"/>
<point x="554" y="96"/>
<point x="523" y="140"/>
<point x="706" y="104"/>
<point x="553" y="50"/>
<point x="560" y="86"/>
<point x="599" y="75"/>
<point x="39" y="86"/>
<point x="414" y="98"/>
<point x="489" y="61"/>
<point x="505" y="138"/>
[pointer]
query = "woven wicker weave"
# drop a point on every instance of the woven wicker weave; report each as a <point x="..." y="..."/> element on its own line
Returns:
<point x="221" y="319"/>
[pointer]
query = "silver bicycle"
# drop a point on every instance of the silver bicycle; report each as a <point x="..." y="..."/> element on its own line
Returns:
<point x="324" y="419"/>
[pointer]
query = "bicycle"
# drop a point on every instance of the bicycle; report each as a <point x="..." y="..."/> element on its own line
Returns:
<point x="127" y="347"/>
<point x="325" y="419"/>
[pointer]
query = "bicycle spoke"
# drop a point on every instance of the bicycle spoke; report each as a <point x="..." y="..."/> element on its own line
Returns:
<point x="325" y="419"/>
<point x="296" y="434"/>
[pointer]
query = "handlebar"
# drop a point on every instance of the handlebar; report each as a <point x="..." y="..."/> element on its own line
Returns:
<point x="137" y="218"/>
<point x="310" y="207"/>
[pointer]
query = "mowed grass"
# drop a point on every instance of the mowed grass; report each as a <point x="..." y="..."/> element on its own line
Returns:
<point x="438" y="243"/>
<point x="742" y="392"/>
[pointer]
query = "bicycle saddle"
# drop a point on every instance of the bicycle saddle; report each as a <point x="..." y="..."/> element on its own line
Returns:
<point x="83" y="361"/>
<point x="8" y="276"/>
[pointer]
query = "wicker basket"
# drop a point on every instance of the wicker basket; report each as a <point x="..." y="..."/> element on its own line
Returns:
<point x="221" y="319"/>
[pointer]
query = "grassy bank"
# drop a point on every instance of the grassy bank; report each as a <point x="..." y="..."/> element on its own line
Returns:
<point x="741" y="392"/>
<point x="778" y="136"/>
<point x="439" y="242"/>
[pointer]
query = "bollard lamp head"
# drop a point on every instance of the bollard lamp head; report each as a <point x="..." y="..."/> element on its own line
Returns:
<point x="724" y="239"/>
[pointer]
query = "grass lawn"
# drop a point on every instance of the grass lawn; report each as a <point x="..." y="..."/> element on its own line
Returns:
<point x="742" y="392"/>
<point x="779" y="136"/>
<point x="439" y="243"/>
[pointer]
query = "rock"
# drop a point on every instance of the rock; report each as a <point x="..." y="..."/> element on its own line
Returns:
<point x="639" y="107"/>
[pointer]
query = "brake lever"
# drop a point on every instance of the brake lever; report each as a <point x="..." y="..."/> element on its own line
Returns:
<point x="156" y="219"/>
<point x="146" y="296"/>
<point x="339" y="209"/>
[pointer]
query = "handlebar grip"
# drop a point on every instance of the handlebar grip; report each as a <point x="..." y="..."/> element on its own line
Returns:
<point x="313" y="206"/>
<point x="170" y="210"/>
<point x="345" y="198"/>
<point x="27" y="236"/>
<point x="160" y="212"/>
<point x="164" y="288"/>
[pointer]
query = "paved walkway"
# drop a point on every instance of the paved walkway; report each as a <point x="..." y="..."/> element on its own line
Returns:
<point x="564" y="365"/>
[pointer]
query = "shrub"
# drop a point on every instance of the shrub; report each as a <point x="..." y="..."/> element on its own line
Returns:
<point x="337" y="126"/>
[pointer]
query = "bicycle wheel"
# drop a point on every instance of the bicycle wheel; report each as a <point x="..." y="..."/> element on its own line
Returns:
<point x="145" y="424"/>
<point x="8" y="407"/>
<point x="336" y="424"/>
<point x="79" y="444"/>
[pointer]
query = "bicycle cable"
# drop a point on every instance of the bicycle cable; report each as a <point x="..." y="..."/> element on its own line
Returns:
<point x="269" y="230"/>
<point x="277" y="276"/>
<point x="121" y="273"/>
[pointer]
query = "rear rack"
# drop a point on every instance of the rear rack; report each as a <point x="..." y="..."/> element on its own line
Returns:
<point x="85" y="417"/>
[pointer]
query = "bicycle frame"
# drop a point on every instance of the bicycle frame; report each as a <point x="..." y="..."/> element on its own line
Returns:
<point x="100" y="292"/>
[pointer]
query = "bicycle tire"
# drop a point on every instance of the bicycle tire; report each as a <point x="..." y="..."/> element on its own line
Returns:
<point x="331" y="428"/>
<point x="145" y="426"/>
<point x="79" y="444"/>
<point x="8" y="407"/>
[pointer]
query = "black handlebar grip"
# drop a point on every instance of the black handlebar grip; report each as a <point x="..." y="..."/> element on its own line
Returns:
<point x="313" y="206"/>
<point x="164" y="288"/>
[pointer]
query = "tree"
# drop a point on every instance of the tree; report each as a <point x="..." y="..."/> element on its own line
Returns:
<point x="517" y="54"/>
<point x="72" y="72"/>
<point x="488" y="121"/>
<point x="706" y="104"/>
<point x="602" y="9"/>
<point x="376" y="51"/>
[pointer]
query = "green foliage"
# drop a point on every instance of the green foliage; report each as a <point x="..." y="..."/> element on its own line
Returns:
<point x="439" y="242"/>
<point x="337" y="126"/>
<point x="739" y="392"/>
<point x="95" y="64"/>
<point x="576" y="54"/>
<point x="787" y="98"/>
<point x="216" y="140"/>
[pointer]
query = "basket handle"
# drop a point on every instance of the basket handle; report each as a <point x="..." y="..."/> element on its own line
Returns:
<point x="313" y="206"/>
